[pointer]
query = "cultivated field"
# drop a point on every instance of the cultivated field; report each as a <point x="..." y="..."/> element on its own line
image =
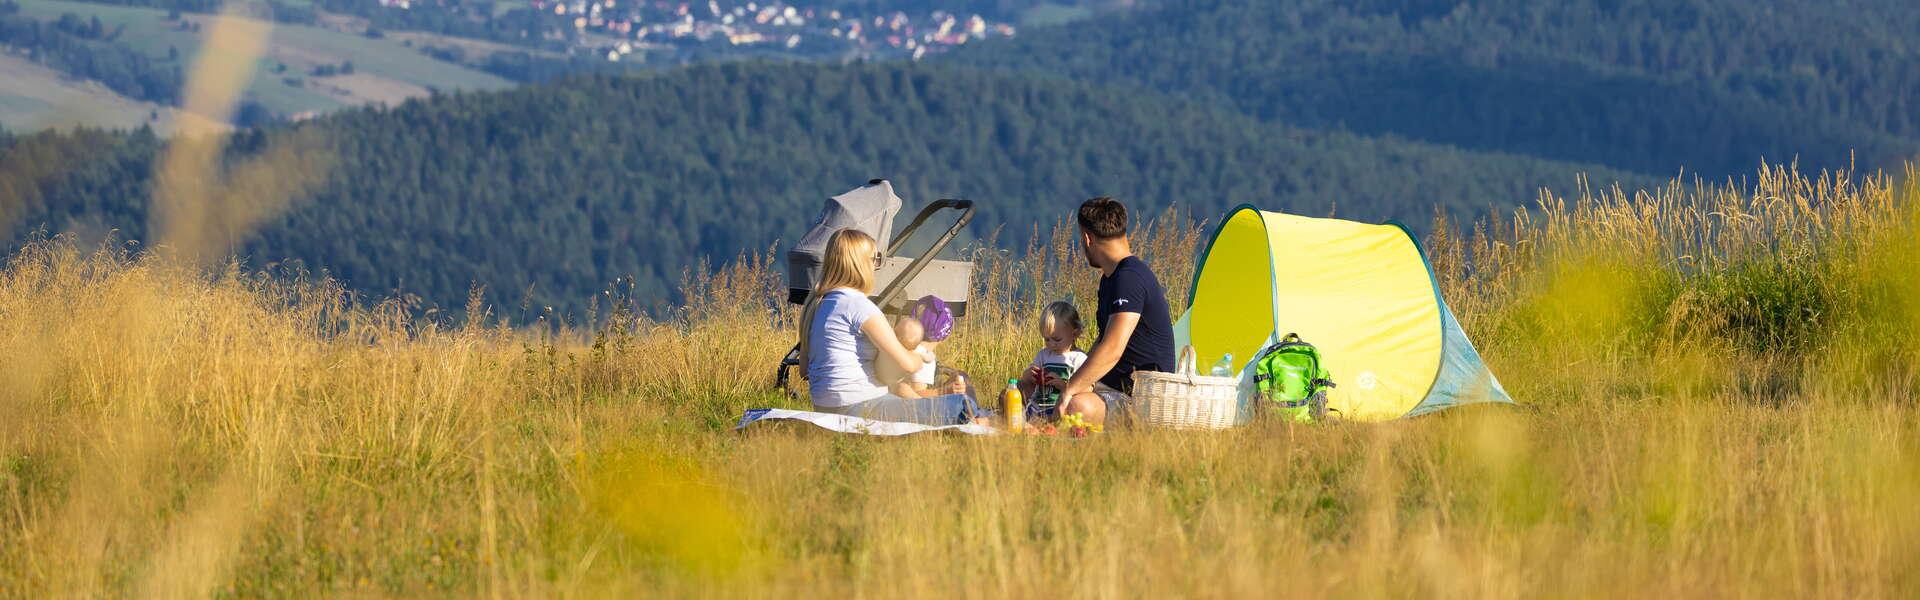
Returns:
<point x="1720" y="386"/>
<point x="33" y="97"/>
<point x="384" y="70"/>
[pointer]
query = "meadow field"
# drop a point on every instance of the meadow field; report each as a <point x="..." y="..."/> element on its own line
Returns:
<point x="34" y="97"/>
<point x="1718" y="385"/>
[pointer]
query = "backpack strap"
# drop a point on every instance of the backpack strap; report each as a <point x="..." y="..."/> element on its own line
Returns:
<point x="1316" y="383"/>
<point x="1290" y="340"/>
<point x="1262" y="355"/>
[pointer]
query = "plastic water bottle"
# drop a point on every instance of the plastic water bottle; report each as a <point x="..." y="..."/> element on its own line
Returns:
<point x="1016" y="411"/>
<point x="1224" y="368"/>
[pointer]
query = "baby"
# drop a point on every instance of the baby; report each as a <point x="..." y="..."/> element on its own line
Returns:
<point x="930" y="323"/>
<point x="1060" y="328"/>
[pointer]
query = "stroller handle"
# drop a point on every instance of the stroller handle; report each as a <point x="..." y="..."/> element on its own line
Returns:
<point x="966" y="214"/>
<point x="899" y="285"/>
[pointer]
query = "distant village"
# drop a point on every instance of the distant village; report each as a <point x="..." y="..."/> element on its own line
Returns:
<point x="622" y="27"/>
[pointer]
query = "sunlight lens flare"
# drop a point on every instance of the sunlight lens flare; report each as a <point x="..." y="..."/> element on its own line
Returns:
<point x="200" y="209"/>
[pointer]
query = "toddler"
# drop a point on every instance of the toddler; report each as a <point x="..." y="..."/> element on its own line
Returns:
<point x="1059" y="357"/>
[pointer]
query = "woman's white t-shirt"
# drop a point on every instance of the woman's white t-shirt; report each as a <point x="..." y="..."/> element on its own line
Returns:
<point x="839" y="355"/>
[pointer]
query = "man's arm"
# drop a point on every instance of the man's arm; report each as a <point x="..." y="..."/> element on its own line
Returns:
<point x="1105" y="354"/>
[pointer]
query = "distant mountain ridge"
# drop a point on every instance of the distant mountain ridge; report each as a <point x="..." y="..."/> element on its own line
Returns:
<point x="546" y="194"/>
<point x="1711" y="86"/>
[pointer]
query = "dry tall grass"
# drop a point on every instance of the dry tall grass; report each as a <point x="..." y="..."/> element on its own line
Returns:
<point x="1723" y="380"/>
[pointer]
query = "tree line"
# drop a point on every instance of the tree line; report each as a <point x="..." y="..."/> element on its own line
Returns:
<point x="86" y="48"/>
<point x="546" y="194"/>
<point x="1710" y="86"/>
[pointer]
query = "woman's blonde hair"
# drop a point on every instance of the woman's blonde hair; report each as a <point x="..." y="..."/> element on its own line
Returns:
<point x="848" y="262"/>
<point x="1057" y="313"/>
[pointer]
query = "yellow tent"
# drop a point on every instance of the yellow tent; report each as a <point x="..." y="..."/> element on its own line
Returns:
<point x="1362" y="294"/>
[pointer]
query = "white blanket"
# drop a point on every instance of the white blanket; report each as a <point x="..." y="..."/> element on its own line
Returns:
<point x="847" y="424"/>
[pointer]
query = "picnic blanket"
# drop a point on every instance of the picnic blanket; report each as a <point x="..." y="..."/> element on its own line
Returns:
<point x="857" y="425"/>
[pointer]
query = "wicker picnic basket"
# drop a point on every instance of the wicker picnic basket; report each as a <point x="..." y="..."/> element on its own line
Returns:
<point x="1186" y="399"/>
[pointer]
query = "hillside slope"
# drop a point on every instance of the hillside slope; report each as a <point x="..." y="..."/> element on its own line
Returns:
<point x="305" y="69"/>
<point x="1710" y="86"/>
<point x="34" y="97"/>
<point x="545" y="194"/>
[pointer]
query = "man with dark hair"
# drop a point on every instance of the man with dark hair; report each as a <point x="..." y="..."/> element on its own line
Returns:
<point x="1136" y="329"/>
<point x="1104" y="218"/>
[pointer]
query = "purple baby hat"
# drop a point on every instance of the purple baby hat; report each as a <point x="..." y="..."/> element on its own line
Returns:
<point x="934" y="317"/>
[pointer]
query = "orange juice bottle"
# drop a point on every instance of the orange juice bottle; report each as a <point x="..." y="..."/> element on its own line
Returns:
<point x="1016" y="410"/>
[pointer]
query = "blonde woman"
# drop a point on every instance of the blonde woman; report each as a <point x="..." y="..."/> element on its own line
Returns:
<point x="848" y="335"/>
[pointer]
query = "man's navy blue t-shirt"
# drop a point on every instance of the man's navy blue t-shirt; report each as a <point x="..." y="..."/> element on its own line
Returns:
<point x="1132" y="288"/>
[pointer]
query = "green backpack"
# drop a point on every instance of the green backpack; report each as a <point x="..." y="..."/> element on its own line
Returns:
<point x="1288" y="375"/>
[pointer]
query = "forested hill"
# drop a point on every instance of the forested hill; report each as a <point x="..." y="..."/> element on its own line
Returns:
<point x="545" y="194"/>
<point x="1711" y="86"/>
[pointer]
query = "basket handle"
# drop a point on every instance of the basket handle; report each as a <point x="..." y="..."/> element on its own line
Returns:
<point x="1189" y="364"/>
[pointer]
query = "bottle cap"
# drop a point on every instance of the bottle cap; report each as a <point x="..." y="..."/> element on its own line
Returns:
<point x="1013" y="382"/>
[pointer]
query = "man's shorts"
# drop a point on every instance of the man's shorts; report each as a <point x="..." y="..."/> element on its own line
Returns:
<point x="1119" y="406"/>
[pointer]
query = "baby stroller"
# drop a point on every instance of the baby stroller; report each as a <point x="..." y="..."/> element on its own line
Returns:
<point x="901" y="280"/>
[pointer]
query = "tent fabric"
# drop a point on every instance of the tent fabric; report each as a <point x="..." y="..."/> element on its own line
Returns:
<point x="1463" y="378"/>
<point x="1362" y="293"/>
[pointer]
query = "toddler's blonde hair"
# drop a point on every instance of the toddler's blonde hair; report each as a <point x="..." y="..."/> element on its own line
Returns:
<point x="1058" y="313"/>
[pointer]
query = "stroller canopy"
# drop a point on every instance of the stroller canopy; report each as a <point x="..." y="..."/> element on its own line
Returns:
<point x="869" y="208"/>
<point x="1363" y="294"/>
